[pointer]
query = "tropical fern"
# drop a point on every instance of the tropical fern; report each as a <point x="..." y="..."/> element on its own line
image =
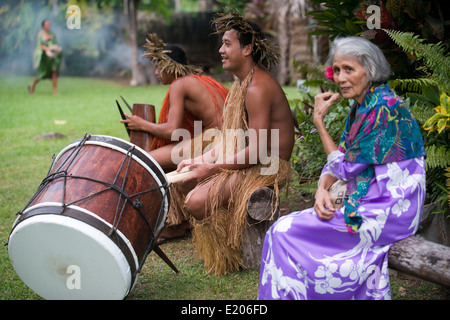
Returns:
<point x="434" y="55"/>
<point x="437" y="157"/>
<point x="308" y="187"/>
<point x="434" y="92"/>
<point x="420" y="107"/>
<point x="415" y="85"/>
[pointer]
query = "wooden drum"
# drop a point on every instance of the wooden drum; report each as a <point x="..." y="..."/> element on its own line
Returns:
<point x="87" y="231"/>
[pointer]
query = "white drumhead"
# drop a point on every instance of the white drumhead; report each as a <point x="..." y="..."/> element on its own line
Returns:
<point x="59" y="257"/>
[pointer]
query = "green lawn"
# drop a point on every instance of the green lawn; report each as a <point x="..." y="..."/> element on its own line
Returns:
<point x="87" y="106"/>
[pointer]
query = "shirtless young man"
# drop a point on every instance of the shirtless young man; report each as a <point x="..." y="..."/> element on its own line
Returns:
<point x="267" y="108"/>
<point x="263" y="104"/>
<point x="191" y="97"/>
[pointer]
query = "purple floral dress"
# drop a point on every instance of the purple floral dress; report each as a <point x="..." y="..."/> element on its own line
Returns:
<point x="307" y="258"/>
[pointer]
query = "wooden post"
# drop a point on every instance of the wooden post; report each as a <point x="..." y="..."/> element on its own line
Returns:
<point x="259" y="207"/>
<point x="141" y="138"/>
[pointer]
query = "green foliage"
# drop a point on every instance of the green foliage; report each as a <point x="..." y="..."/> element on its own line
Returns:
<point x="435" y="57"/>
<point x="349" y="18"/>
<point x="414" y="85"/>
<point x="163" y="7"/>
<point x="309" y="157"/>
<point x="238" y="5"/>
<point x="440" y="121"/>
<point x="307" y="187"/>
<point x="337" y="19"/>
<point x="19" y="23"/>
<point x="437" y="157"/>
<point x="431" y="104"/>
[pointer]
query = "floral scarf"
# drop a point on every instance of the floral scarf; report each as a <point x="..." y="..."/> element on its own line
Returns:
<point x="380" y="130"/>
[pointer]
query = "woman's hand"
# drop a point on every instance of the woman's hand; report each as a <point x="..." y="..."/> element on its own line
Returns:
<point x="322" y="104"/>
<point x="323" y="205"/>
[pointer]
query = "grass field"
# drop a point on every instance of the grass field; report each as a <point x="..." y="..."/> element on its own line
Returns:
<point x="88" y="106"/>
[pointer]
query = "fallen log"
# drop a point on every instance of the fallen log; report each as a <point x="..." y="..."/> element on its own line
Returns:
<point x="422" y="259"/>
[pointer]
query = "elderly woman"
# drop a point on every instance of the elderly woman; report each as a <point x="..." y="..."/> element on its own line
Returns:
<point x="329" y="253"/>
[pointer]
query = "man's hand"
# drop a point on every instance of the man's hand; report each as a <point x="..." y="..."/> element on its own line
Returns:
<point x="135" y="123"/>
<point x="201" y="170"/>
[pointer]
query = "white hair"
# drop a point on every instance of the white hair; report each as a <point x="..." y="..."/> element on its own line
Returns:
<point x="369" y="56"/>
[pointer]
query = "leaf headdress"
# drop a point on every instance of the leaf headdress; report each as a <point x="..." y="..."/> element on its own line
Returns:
<point x="155" y="50"/>
<point x="223" y="22"/>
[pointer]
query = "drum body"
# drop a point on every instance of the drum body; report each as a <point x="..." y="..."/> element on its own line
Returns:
<point x="87" y="231"/>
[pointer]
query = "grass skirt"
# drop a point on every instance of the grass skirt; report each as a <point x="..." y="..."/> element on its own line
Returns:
<point x="219" y="238"/>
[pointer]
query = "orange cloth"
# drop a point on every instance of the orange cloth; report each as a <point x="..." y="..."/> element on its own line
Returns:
<point x="189" y="119"/>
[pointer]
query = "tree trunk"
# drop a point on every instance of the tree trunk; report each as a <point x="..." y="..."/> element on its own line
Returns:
<point x="284" y="42"/>
<point x="137" y="71"/>
<point x="206" y="5"/>
<point x="55" y="7"/>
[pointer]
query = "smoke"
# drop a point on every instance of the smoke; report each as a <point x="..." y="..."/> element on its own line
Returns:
<point x="98" y="48"/>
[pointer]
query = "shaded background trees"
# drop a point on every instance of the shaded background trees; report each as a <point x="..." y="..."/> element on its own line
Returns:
<point x="113" y="31"/>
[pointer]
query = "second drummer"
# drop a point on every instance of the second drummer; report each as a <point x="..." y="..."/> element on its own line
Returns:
<point x="192" y="96"/>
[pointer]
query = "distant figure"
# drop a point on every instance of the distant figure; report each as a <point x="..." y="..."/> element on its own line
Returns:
<point x="47" y="57"/>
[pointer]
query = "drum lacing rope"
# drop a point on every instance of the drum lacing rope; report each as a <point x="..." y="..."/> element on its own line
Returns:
<point x="50" y="177"/>
<point x="137" y="204"/>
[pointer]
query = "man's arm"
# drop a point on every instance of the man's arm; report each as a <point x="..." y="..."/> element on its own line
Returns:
<point x="175" y="117"/>
<point x="258" y="103"/>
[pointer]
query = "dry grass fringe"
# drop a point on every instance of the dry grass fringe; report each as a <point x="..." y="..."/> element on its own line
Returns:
<point x="154" y="50"/>
<point x="219" y="238"/>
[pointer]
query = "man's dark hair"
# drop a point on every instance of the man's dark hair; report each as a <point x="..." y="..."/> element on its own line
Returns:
<point x="247" y="37"/>
<point x="263" y="54"/>
<point x="177" y="54"/>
